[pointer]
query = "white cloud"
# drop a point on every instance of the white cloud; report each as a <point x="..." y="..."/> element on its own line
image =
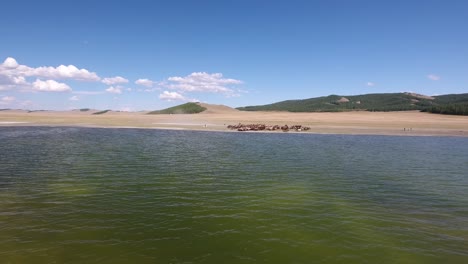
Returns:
<point x="14" y="75"/>
<point x="19" y="80"/>
<point x="370" y="84"/>
<point x="145" y="82"/>
<point x="433" y="77"/>
<point x="203" y="82"/>
<point x="74" y="98"/>
<point x="172" y="96"/>
<point x="114" y="80"/>
<point x="8" y="82"/>
<point x="10" y="63"/>
<point x="115" y="90"/>
<point x="50" y="86"/>
<point x="62" y="72"/>
<point x="12" y="68"/>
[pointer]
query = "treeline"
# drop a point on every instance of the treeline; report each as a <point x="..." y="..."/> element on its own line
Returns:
<point x="449" y="109"/>
<point x="445" y="104"/>
<point x="449" y="104"/>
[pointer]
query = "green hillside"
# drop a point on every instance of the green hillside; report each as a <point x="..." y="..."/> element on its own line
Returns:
<point x="188" y="108"/>
<point x="369" y="102"/>
<point x="101" y="112"/>
<point x="449" y="104"/>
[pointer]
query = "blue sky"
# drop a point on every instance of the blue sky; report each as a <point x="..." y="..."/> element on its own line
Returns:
<point x="145" y="55"/>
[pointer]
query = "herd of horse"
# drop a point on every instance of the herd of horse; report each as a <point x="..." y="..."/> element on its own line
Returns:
<point x="263" y="127"/>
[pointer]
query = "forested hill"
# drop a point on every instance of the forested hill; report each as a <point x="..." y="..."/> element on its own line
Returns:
<point x="445" y="104"/>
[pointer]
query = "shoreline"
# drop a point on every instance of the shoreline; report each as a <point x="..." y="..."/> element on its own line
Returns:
<point x="310" y="132"/>
<point x="343" y="123"/>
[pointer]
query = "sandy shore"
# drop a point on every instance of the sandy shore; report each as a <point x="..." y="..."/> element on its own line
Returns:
<point x="369" y="123"/>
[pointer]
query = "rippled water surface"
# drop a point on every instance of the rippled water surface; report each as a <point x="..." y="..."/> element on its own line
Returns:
<point x="92" y="195"/>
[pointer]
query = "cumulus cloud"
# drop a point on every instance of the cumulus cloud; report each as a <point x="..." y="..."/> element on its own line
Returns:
<point x="172" y="96"/>
<point x="50" y="86"/>
<point x="10" y="63"/>
<point x="61" y="72"/>
<point x="433" y="77"/>
<point x="114" y="90"/>
<point x="10" y="67"/>
<point x="203" y="82"/>
<point x="10" y="82"/>
<point x="19" y="80"/>
<point x="370" y="84"/>
<point x="13" y="76"/>
<point x="114" y="80"/>
<point x="74" y="98"/>
<point x="145" y="82"/>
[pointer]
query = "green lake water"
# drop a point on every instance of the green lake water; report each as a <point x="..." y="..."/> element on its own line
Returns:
<point x="88" y="195"/>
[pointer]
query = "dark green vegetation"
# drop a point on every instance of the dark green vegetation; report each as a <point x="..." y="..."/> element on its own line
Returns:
<point x="4" y="109"/>
<point x="188" y="108"/>
<point x="449" y="109"/>
<point x="101" y="112"/>
<point x="84" y="109"/>
<point x="446" y="104"/>
<point x="450" y="104"/>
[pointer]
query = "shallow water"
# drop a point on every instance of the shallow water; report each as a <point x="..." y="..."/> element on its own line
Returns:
<point x="156" y="196"/>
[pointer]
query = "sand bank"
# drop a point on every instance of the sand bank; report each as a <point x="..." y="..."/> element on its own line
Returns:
<point x="410" y="123"/>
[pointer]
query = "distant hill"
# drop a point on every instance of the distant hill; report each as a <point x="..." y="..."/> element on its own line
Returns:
<point x="447" y="104"/>
<point x="217" y="109"/>
<point x="101" y="112"/>
<point x="188" y="108"/>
